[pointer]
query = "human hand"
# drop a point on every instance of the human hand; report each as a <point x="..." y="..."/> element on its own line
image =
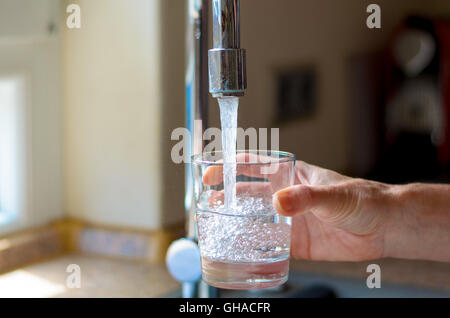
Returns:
<point x="334" y="217"/>
<point x="337" y="218"/>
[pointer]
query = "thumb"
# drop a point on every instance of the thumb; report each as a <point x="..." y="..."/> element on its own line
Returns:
<point x="328" y="201"/>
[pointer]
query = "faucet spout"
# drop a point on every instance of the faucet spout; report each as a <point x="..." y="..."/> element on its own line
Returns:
<point x="227" y="61"/>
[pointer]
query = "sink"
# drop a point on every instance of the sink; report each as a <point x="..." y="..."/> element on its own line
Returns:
<point x="305" y="285"/>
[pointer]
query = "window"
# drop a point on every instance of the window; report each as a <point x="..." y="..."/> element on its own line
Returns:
<point x="12" y="148"/>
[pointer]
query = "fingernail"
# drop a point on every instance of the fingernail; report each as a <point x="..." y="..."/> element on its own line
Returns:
<point x="285" y="202"/>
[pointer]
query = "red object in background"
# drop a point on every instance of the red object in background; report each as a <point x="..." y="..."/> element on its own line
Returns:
<point x="443" y="33"/>
<point x="393" y="82"/>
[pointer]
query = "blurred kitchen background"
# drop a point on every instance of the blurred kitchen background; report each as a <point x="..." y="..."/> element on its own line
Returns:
<point x="86" y="117"/>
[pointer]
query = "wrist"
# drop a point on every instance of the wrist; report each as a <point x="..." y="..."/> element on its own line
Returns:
<point x="419" y="224"/>
<point x="398" y="228"/>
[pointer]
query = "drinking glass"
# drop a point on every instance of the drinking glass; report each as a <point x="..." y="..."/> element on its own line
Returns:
<point x="245" y="244"/>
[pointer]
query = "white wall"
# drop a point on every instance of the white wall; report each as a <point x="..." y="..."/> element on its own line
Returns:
<point x="26" y="48"/>
<point x="112" y="135"/>
<point x="25" y="18"/>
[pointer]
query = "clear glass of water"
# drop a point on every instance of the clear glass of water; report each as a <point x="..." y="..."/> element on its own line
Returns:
<point x="244" y="244"/>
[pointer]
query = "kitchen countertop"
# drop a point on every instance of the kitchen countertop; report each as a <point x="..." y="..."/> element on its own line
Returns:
<point x="107" y="277"/>
<point x="100" y="277"/>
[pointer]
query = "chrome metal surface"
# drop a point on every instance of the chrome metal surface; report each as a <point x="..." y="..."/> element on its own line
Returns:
<point x="228" y="78"/>
<point x="227" y="72"/>
<point x="196" y="93"/>
<point x="227" y="61"/>
<point x="226" y="28"/>
<point x="196" y="123"/>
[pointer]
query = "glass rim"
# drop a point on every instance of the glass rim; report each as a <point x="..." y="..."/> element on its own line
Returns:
<point x="283" y="158"/>
<point x="228" y="214"/>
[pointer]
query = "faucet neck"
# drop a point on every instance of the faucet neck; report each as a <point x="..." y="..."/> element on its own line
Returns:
<point x="227" y="61"/>
<point x="226" y="28"/>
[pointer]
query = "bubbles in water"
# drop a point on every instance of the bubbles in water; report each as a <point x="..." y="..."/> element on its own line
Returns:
<point x="251" y="234"/>
<point x="244" y="229"/>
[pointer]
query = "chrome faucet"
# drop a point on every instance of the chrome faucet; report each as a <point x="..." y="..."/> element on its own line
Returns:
<point x="196" y="94"/>
<point x="226" y="63"/>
